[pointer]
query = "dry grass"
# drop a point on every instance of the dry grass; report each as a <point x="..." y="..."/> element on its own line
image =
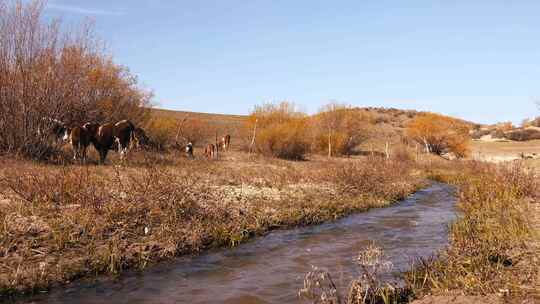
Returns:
<point x="61" y="223"/>
<point x="492" y="244"/>
<point x="493" y="255"/>
<point x="369" y="288"/>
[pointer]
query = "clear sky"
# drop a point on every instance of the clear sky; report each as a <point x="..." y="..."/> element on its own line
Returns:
<point x="479" y="60"/>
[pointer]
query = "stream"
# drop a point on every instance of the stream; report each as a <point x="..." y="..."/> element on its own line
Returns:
<point x="271" y="269"/>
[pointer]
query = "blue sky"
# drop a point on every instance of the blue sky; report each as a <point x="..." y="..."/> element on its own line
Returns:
<point x="479" y="60"/>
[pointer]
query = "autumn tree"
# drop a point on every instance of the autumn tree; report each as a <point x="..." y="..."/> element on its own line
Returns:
<point x="280" y="130"/>
<point x="340" y="128"/>
<point x="46" y="72"/>
<point x="440" y="134"/>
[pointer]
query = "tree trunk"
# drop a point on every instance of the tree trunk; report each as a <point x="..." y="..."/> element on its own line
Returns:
<point x="329" y="144"/>
<point x="428" y="149"/>
<point x="253" y="137"/>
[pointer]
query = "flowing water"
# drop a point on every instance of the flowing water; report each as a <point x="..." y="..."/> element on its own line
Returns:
<point x="270" y="269"/>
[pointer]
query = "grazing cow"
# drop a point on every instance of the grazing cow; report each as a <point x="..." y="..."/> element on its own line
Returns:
<point x="189" y="150"/>
<point x="104" y="137"/>
<point x="210" y="151"/>
<point x="79" y="138"/>
<point x="226" y="142"/>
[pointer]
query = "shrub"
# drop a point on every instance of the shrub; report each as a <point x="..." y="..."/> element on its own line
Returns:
<point x="440" y="134"/>
<point x="523" y="135"/>
<point x="194" y="131"/>
<point x="480" y="133"/>
<point x="280" y="131"/>
<point x="497" y="133"/>
<point x="161" y="132"/>
<point x="402" y="153"/>
<point x="340" y="129"/>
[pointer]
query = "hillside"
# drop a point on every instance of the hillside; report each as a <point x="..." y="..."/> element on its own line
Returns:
<point x="219" y="120"/>
<point x="386" y="124"/>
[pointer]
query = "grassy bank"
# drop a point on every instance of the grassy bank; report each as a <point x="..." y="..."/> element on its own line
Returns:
<point x="61" y="223"/>
<point x="494" y="245"/>
<point x="494" y="252"/>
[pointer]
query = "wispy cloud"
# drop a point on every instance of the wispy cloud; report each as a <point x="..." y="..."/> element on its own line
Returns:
<point x="82" y="10"/>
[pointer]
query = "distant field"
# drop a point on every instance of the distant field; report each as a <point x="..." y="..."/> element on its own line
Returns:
<point x="501" y="150"/>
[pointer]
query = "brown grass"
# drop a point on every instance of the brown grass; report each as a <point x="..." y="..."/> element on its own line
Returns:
<point x="493" y="255"/>
<point x="492" y="244"/>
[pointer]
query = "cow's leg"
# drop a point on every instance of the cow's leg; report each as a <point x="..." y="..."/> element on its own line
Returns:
<point x="75" y="151"/>
<point x="119" y="147"/>
<point x="103" y="155"/>
<point x="123" y="152"/>
<point x="84" y="154"/>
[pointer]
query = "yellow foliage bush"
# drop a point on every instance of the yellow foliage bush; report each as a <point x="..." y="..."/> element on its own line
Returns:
<point x="440" y="134"/>
<point x="280" y="131"/>
<point x="161" y="131"/>
<point x="339" y="129"/>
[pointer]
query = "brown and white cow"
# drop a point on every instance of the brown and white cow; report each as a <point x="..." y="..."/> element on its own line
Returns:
<point x="111" y="137"/>
<point x="79" y="138"/>
<point x="226" y="142"/>
<point x="101" y="136"/>
<point x="210" y="151"/>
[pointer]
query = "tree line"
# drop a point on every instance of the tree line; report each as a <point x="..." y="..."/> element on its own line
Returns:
<point x="282" y="130"/>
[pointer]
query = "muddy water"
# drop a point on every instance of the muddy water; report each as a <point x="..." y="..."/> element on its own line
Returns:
<point x="271" y="269"/>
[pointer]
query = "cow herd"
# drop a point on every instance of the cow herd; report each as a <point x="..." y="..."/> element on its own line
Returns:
<point x="103" y="137"/>
<point x="210" y="151"/>
<point x="119" y="136"/>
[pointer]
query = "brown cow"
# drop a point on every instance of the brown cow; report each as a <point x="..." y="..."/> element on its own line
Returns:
<point x="210" y="151"/>
<point x="102" y="138"/>
<point x="226" y="142"/>
<point x="80" y="140"/>
<point x="105" y="136"/>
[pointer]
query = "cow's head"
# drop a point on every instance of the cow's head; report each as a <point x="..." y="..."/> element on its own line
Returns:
<point x="92" y="128"/>
<point x="52" y="127"/>
<point x="65" y="133"/>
